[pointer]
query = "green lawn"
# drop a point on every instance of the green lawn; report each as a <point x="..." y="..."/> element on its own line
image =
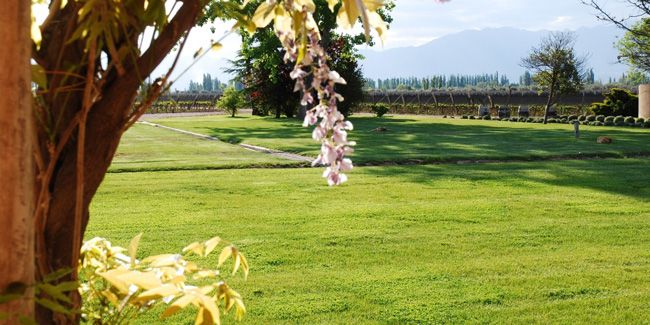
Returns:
<point x="145" y="147"/>
<point x="537" y="242"/>
<point x="413" y="138"/>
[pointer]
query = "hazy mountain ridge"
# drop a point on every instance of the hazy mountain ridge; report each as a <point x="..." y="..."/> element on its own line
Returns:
<point x="488" y="51"/>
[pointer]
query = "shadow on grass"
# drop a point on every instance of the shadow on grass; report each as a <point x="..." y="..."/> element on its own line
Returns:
<point x="422" y="141"/>
<point x="600" y="175"/>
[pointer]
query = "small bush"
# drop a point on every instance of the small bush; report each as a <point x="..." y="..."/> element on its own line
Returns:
<point x="582" y="118"/>
<point x="600" y="123"/>
<point x="591" y="118"/>
<point x="640" y="120"/>
<point x="472" y="117"/>
<point x="464" y="117"/>
<point x="380" y="109"/>
<point x="619" y="120"/>
<point x="600" y="118"/>
<point x="573" y="117"/>
<point x="609" y="123"/>
<point x="486" y="117"/>
<point x="646" y="124"/>
<point x="530" y="120"/>
<point x="629" y="120"/>
<point x="231" y="101"/>
<point x="610" y="119"/>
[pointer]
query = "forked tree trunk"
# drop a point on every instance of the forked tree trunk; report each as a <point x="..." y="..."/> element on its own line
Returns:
<point x="108" y="116"/>
<point x="16" y="157"/>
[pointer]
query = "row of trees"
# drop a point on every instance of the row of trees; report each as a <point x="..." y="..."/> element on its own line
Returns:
<point x="463" y="81"/>
<point x="207" y="84"/>
<point x="439" y="82"/>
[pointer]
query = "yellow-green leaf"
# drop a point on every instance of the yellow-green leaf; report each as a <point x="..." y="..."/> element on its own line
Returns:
<point x="179" y="304"/>
<point x="165" y="290"/>
<point x="226" y="252"/>
<point x="211" y="244"/>
<point x="195" y="247"/>
<point x="133" y="247"/>
<point x="264" y="14"/>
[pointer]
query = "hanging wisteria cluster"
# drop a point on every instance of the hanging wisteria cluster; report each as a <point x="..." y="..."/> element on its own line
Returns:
<point x="298" y="33"/>
<point x="332" y="127"/>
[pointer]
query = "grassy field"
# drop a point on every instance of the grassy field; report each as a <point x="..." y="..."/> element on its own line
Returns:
<point x="426" y="139"/>
<point x="543" y="242"/>
<point x="149" y="148"/>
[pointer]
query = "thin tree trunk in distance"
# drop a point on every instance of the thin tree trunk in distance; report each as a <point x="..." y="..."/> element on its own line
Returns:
<point x="16" y="157"/>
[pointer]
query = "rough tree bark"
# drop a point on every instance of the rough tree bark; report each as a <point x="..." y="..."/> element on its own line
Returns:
<point x="58" y="239"/>
<point x="16" y="156"/>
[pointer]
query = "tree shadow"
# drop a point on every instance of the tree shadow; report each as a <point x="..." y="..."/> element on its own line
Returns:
<point x="404" y="140"/>
<point x="627" y="177"/>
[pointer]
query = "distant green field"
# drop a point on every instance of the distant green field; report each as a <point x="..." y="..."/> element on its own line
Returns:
<point x="145" y="147"/>
<point x="426" y="139"/>
<point x="537" y="242"/>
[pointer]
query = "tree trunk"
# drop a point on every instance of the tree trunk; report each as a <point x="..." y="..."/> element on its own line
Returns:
<point x="551" y="93"/>
<point x="59" y="239"/>
<point x="16" y="158"/>
<point x="549" y="102"/>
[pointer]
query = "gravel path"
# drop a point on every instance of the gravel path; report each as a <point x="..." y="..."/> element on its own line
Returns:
<point x="276" y="153"/>
<point x="188" y="114"/>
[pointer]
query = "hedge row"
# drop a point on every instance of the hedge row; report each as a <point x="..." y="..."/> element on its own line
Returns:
<point x="458" y="110"/>
<point x="594" y="120"/>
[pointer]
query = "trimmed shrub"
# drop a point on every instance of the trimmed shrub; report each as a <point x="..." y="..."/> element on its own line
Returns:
<point x="572" y="117"/>
<point x="609" y="123"/>
<point x="380" y="109"/>
<point x="610" y="119"/>
<point x="600" y="118"/>
<point x="582" y="118"/>
<point x="617" y="102"/>
<point x="629" y="120"/>
<point x="646" y="124"/>
<point x="486" y="117"/>
<point x="591" y="118"/>
<point x="640" y="120"/>
<point x="619" y="120"/>
<point x="464" y="117"/>
<point x="472" y="117"/>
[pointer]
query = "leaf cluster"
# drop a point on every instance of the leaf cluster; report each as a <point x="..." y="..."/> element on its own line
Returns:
<point x="118" y="287"/>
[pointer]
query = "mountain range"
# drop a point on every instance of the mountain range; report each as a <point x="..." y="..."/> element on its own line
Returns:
<point x="491" y="50"/>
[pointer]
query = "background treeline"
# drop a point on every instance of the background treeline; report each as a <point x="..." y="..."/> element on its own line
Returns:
<point x="496" y="80"/>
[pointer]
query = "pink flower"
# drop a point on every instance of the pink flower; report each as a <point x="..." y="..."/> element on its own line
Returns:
<point x="310" y="119"/>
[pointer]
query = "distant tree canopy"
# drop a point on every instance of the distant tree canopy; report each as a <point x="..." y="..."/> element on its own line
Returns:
<point x="207" y="84"/>
<point x="556" y="67"/>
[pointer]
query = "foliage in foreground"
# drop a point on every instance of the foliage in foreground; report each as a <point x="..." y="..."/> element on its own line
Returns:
<point x="116" y="288"/>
